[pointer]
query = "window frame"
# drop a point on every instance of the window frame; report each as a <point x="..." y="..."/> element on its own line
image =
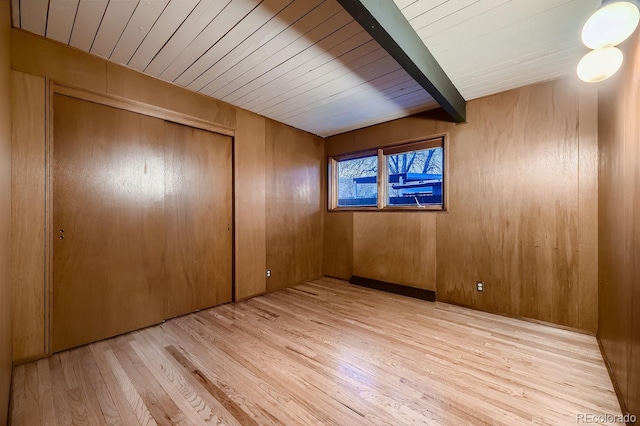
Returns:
<point x="417" y="144"/>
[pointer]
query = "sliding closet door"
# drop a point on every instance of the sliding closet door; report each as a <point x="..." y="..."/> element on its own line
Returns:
<point x="198" y="183"/>
<point x="141" y="214"/>
<point x="108" y="216"/>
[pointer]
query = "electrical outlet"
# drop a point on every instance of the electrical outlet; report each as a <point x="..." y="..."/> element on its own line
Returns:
<point x="479" y="286"/>
<point x="268" y="273"/>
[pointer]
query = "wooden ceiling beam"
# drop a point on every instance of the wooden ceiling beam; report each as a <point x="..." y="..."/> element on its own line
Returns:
<point x="387" y="25"/>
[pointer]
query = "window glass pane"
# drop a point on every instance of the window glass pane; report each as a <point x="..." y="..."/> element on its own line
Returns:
<point x="358" y="182"/>
<point x="415" y="177"/>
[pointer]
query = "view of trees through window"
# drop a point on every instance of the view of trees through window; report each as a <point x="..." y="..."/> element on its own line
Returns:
<point x="411" y="176"/>
<point x="415" y="177"/>
<point x="358" y="182"/>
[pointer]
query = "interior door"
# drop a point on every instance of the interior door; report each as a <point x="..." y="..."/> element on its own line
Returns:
<point x="139" y="210"/>
<point x="198" y="182"/>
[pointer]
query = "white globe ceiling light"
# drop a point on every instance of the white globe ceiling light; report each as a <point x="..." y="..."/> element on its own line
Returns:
<point x="610" y="25"/>
<point x="600" y="64"/>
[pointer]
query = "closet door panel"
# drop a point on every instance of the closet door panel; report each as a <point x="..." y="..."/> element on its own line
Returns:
<point x="198" y="196"/>
<point x="109" y="220"/>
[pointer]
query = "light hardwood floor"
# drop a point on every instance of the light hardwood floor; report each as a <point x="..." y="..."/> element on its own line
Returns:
<point x="324" y="352"/>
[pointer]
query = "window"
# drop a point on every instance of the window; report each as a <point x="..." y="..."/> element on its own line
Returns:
<point x="414" y="177"/>
<point x="358" y="181"/>
<point x="401" y="177"/>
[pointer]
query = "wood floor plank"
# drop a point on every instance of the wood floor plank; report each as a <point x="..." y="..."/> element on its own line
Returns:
<point x="189" y="385"/>
<point x="195" y="409"/>
<point x="125" y="407"/>
<point x="83" y="403"/>
<point x="59" y="389"/>
<point x="163" y="409"/>
<point x="315" y="367"/>
<point x="45" y="396"/>
<point x="478" y="359"/>
<point x="165" y="340"/>
<point x="361" y="368"/>
<point x="127" y="388"/>
<point x="263" y="398"/>
<point x="323" y="352"/>
<point x="92" y="374"/>
<point x="31" y="391"/>
<point x="18" y="401"/>
<point x="255" y="357"/>
<point x="230" y="405"/>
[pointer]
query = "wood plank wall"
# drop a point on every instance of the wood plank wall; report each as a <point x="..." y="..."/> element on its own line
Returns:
<point x="408" y="263"/>
<point x="522" y="209"/>
<point x="295" y="206"/>
<point x="261" y="179"/>
<point x="251" y="196"/>
<point x="619" y="225"/>
<point x="28" y="195"/>
<point x="5" y="209"/>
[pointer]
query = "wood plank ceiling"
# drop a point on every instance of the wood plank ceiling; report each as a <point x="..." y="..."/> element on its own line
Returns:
<point x="489" y="46"/>
<point x="307" y="63"/>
